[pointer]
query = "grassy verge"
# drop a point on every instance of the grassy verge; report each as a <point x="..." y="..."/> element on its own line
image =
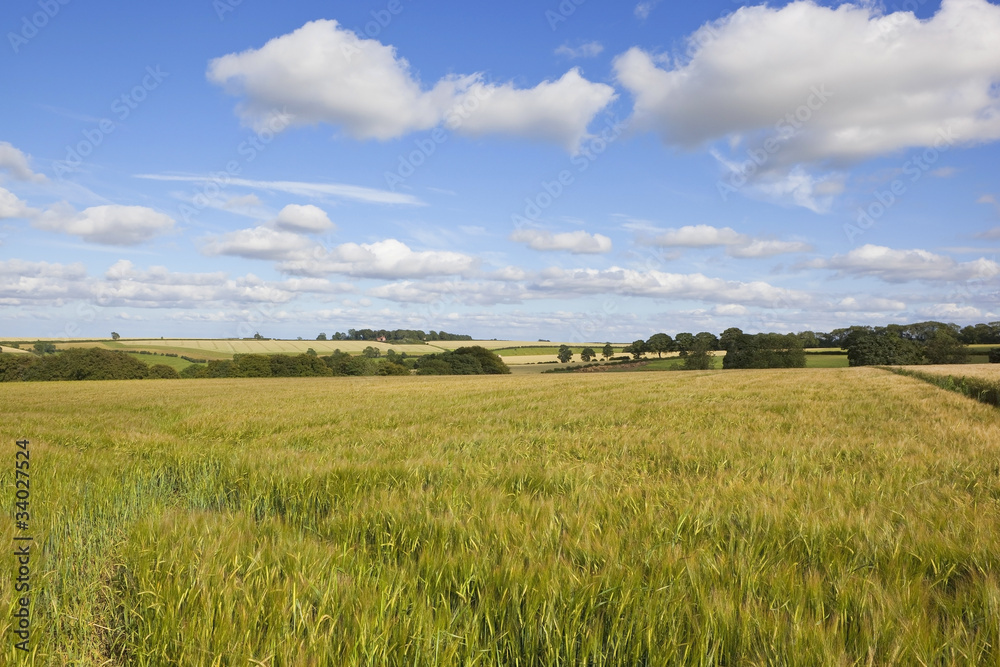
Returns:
<point x="983" y="390"/>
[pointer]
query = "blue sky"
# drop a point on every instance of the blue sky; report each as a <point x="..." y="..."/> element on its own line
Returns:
<point x="582" y="170"/>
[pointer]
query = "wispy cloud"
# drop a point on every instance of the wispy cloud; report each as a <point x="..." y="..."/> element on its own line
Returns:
<point x="645" y="8"/>
<point x="313" y="190"/>
<point x="587" y="50"/>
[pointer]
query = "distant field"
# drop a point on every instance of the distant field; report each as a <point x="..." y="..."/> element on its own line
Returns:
<point x="153" y="359"/>
<point x="551" y="350"/>
<point x="827" y="360"/>
<point x="988" y="371"/>
<point x="225" y="349"/>
<point x="829" y="517"/>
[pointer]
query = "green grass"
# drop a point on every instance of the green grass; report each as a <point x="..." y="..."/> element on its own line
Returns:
<point x="176" y="363"/>
<point x="826" y="360"/>
<point x="834" y="517"/>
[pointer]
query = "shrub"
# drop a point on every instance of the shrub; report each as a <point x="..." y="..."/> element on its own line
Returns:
<point x="163" y="372"/>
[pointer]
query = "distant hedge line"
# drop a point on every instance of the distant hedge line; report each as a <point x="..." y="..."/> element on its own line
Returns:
<point x="100" y="364"/>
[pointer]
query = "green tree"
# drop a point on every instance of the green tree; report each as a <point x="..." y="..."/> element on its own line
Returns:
<point x="564" y="354"/>
<point x="322" y="336"/>
<point x="729" y="337"/>
<point x="391" y="368"/>
<point x="163" y="372"/>
<point x="706" y="340"/>
<point x="768" y="350"/>
<point x="945" y="348"/>
<point x="637" y="349"/>
<point x="257" y="336"/>
<point x="608" y="351"/>
<point x="114" y="335"/>
<point x="698" y="357"/>
<point x="588" y="354"/>
<point x="880" y="347"/>
<point x="684" y="341"/>
<point x="808" y="339"/>
<point x="660" y="343"/>
<point x="311" y="352"/>
<point x="45" y="348"/>
<point x="371" y="352"/>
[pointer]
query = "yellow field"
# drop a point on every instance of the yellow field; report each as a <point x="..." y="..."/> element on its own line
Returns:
<point x="987" y="371"/>
<point x="221" y="349"/>
<point x="835" y="517"/>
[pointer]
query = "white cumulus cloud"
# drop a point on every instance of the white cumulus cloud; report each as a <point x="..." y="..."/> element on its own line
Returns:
<point x="699" y="236"/>
<point x="12" y="207"/>
<point x="108" y="225"/>
<point x="15" y="163"/>
<point x="578" y="242"/>
<point x="863" y="83"/>
<point x="322" y="73"/>
<point x="308" y="219"/>
<point x="388" y="259"/>
<point x="658" y="284"/>
<point x="897" y="266"/>
<point x="258" y="243"/>
<point x="760" y="248"/>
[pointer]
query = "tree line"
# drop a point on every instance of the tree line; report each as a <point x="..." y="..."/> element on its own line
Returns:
<point x="928" y="342"/>
<point x="763" y="350"/>
<point x="394" y="335"/>
<point x="100" y="364"/>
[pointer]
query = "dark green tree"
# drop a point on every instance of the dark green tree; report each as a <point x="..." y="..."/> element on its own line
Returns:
<point x="608" y="351"/>
<point x="699" y="357"/>
<point x="114" y="335"/>
<point x="637" y="349"/>
<point x="945" y="348"/>
<point x="588" y="354"/>
<point x="684" y="341"/>
<point x="391" y="368"/>
<point x="880" y="347"/>
<point x="728" y="337"/>
<point x="660" y="343"/>
<point x="163" y="372"/>
<point x="322" y="336"/>
<point x="706" y="340"/>
<point x="564" y="354"/>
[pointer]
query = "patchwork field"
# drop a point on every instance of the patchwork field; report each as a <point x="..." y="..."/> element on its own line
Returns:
<point x="721" y="518"/>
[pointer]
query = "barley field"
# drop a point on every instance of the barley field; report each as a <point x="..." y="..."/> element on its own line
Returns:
<point x="795" y="517"/>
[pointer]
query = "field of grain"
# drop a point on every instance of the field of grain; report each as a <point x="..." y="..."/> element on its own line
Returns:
<point x="835" y="516"/>
<point x="986" y="371"/>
